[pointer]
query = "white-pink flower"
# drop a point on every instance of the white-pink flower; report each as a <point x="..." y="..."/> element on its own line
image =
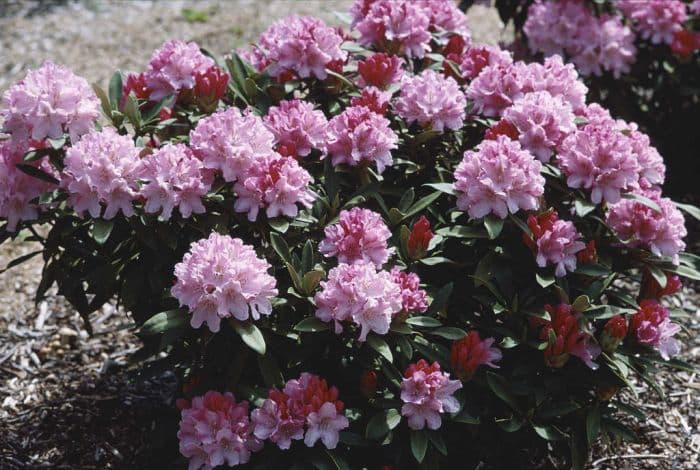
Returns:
<point x="231" y="141"/>
<point x="49" y="102"/>
<point x="325" y="425"/>
<point x="656" y="20"/>
<point x="555" y="241"/>
<point x="432" y="100"/>
<point x="173" y="177"/>
<point x="173" y="68"/>
<point x="276" y="184"/>
<point x="542" y="121"/>
<point x="360" y="294"/>
<point x="298" y="127"/>
<point x="413" y="298"/>
<point x="303" y="45"/>
<point x="102" y="169"/>
<point x="359" y="236"/>
<point x="360" y="136"/>
<point x="221" y="277"/>
<point x="427" y="392"/>
<point x="498" y="178"/>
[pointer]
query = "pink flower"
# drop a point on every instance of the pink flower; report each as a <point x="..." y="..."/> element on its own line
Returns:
<point x="498" y="178"/>
<point x="359" y="236"/>
<point x="298" y="126"/>
<point x="694" y="7"/>
<point x="651" y="326"/>
<point x="601" y="158"/>
<point x="358" y="135"/>
<point x="542" y="121"/>
<point x="640" y="225"/>
<point x="49" y="102"/>
<point x="275" y="183"/>
<point x="231" y="141"/>
<point x="569" y="339"/>
<point x="468" y="353"/>
<point x="656" y="20"/>
<point x="215" y="430"/>
<point x="306" y="402"/>
<point x="173" y="68"/>
<point x="427" y="392"/>
<point x="360" y="294"/>
<point x="446" y="17"/>
<point x="374" y="99"/>
<point x="380" y="70"/>
<point x="174" y="177"/>
<point x="652" y="171"/>
<point x="432" y="100"/>
<point x="395" y="26"/>
<point x="221" y="277"/>
<point x="302" y="45"/>
<point x="17" y="188"/>
<point x="102" y="168"/>
<point x="413" y="298"/>
<point x="475" y="58"/>
<point x="554" y="241"/>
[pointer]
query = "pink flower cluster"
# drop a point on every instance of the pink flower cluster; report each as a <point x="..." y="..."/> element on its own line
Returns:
<point x="48" y="102"/>
<point x="174" y="177"/>
<point x="554" y="241"/>
<point x="569" y="340"/>
<point x="359" y="236"/>
<point x="498" y="86"/>
<point x="656" y="20"/>
<point x="652" y="171"/>
<point x="468" y="353"/>
<point x="358" y="293"/>
<point x="432" y="100"/>
<point x="17" y="188"/>
<point x="307" y="403"/>
<point x="472" y="59"/>
<point x="404" y="26"/>
<point x="173" y="68"/>
<point x="102" y="168"/>
<point x="593" y="43"/>
<point x="297" y="127"/>
<point x="230" y="141"/>
<point x="380" y="70"/>
<point x="221" y="277"/>
<point x="413" y="298"/>
<point x="542" y="122"/>
<point x="215" y="430"/>
<point x="651" y="326"/>
<point x="599" y="157"/>
<point x="303" y="46"/>
<point x="498" y="178"/>
<point x="427" y="392"/>
<point x="275" y="183"/>
<point x="374" y="99"/>
<point x="640" y="225"/>
<point x="360" y="136"/>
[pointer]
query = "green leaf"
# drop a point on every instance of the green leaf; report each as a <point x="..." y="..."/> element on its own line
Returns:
<point x="549" y="433"/>
<point x="643" y="200"/>
<point x="101" y="230"/>
<point x="338" y="462"/>
<point x="164" y="321"/>
<point x="132" y="112"/>
<point x="378" y="344"/>
<point x="311" y="280"/>
<point x="426" y="322"/>
<point x="462" y="231"/>
<point x="592" y="270"/>
<point x="502" y="389"/>
<point x="433" y="260"/>
<point x="581" y="304"/>
<point x="21" y="259"/>
<point x="685" y="271"/>
<point x="251" y="335"/>
<point x="689" y="209"/>
<point x="658" y="275"/>
<point x="104" y="100"/>
<point x="280" y="246"/>
<point x="279" y="223"/>
<point x="544" y="280"/>
<point x="270" y="371"/>
<point x="419" y="445"/>
<point x="592" y="424"/>
<point x="407" y="199"/>
<point x="307" y="257"/>
<point x="312" y="325"/>
<point x="441" y="299"/>
<point x="493" y="225"/>
<point x="583" y="207"/>
<point x="36" y="173"/>
<point x="449" y="332"/>
<point x="382" y="423"/>
<point x="438" y="442"/>
<point x="447" y="188"/>
<point x="115" y="90"/>
<point x="422" y="204"/>
<point x="466" y="418"/>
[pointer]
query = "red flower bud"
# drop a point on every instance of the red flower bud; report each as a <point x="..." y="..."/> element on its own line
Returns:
<point x="614" y="332"/>
<point x="651" y="289"/>
<point x="588" y="255"/>
<point x="502" y="127"/>
<point x="380" y="70"/>
<point x="209" y="87"/>
<point x="539" y="225"/>
<point x="419" y="238"/>
<point x="368" y="383"/>
<point x="685" y="42"/>
<point x="135" y="83"/>
<point x="606" y="392"/>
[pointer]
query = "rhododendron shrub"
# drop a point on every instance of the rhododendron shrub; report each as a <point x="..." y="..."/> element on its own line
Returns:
<point x="355" y="247"/>
<point x="640" y="58"/>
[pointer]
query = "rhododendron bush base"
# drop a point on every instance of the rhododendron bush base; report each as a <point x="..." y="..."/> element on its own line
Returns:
<point x="381" y="247"/>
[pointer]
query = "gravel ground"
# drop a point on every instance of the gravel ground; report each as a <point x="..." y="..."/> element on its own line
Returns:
<point x="71" y="401"/>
